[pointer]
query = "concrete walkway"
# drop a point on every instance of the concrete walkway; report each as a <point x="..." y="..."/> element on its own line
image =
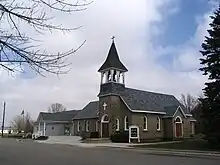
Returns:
<point x="75" y="141"/>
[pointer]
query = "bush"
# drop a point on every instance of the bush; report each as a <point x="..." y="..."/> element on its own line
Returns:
<point x="83" y="135"/>
<point x="41" y="138"/>
<point x="94" y="135"/>
<point x="120" y="137"/>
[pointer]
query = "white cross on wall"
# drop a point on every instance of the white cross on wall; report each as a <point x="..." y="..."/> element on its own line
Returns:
<point x="104" y="106"/>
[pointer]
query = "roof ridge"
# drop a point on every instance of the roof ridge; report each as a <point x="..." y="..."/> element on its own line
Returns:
<point x="150" y="91"/>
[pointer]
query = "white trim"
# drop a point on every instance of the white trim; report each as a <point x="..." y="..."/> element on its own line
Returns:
<point x="103" y="117"/>
<point x="87" y="126"/>
<point x="181" y="122"/>
<point x="180" y="110"/>
<point x="189" y="115"/>
<point x="145" y="123"/>
<point x="117" y="125"/>
<point x="159" y="123"/>
<point x="153" y="112"/>
<point x="44" y="129"/>
<point x="97" y="126"/>
<point x="193" y="120"/>
<point x="132" y="110"/>
<point x="125" y="123"/>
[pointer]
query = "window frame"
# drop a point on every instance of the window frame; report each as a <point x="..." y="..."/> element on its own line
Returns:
<point x="158" y="123"/>
<point x="117" y="125"/>
<point x="87" y="126"/>
<point x="126" y="123"/>
<point x="145" y="123"/>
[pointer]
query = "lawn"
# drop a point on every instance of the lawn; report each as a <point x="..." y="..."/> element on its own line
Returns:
<point x="201" y="145"/>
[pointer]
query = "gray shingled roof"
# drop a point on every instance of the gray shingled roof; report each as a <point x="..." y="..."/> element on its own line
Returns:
<point x="89" y="111"/>
<point x="170" y="110"/>
<point x="136" y="100"/>
<point x="149" y="101"/>
<point x="59" y="116"/>
<point x="142" y="100"/>
<point x="112" y="60"/>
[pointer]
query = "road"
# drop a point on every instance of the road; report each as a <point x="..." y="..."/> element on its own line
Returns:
<point x="28" y="152"/>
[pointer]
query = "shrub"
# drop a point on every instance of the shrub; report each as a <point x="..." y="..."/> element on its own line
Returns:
<point x="41" y="138"/>
<point x="120" y="137"/>
<point x="83" y="135"/>
<point x="94" y="135"/>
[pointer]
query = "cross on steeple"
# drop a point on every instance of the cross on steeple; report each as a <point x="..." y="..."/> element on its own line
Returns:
<point x="104" y="106"/>
<point x="113" y="38"/>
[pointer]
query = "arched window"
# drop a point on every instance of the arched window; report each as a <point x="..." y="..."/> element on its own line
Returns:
<point x="126" y="123"/>
<point x="158" y="123"/>
<point x="105" y="119"/>
<point x="78" y="126"/>
<point x="117" y="125"/>
<point x="145" y="123"/>
<point x="87" y="126"/>
<point x="97" y="126"/>
<point x="178" y="120"/>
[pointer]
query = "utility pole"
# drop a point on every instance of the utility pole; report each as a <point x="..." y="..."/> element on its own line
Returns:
<point x="3" y="118"/>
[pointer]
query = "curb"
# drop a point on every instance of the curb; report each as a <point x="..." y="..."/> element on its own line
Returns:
<point x="177" y="153"/>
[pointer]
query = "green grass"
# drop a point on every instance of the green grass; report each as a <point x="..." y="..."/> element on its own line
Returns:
<point x="201" y="145"/>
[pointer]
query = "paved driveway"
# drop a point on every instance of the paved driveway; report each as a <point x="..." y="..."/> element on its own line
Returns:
<point x="28" y="152"/>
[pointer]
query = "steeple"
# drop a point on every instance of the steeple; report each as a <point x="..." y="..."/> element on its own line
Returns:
<point x="112" y="70"/>
<point x="112" y="60"/>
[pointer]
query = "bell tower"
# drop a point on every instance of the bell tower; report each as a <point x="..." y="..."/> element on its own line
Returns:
<point x="112" y="70"/>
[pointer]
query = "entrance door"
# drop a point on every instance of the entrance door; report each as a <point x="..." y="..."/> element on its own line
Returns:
<point x="178" y="130"/>
<point x="105" y="130"/>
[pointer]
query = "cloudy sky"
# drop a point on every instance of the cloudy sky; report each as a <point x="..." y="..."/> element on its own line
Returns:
<point x="158" y="41"/>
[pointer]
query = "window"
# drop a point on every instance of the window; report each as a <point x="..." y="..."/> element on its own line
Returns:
<point x="87" y="126"/>
<point x="117" y="125"/>
<point x="97" y="126"/>
<point x="158" y="124"/>
<point x="126" y="123"/>
<point x="78" y="126"/>
<point x="178" y="120"/>
<point x="52" y="128"/>
<point x="145" y="123"/>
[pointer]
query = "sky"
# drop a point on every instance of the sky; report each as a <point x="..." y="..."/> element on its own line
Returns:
<point x="158" y="41"/>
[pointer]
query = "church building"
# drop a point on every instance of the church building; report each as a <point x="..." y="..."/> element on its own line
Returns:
<point x="118" y="107"/>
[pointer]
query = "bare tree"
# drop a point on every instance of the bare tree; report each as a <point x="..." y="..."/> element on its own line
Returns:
<point x="17" y="47"/>
<point x="29" y="123"/>
<point x="189" y="102"/>
<point x="56" y="107"/>
<point x="17" y="123"/>
<point x="23" y="123"/>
